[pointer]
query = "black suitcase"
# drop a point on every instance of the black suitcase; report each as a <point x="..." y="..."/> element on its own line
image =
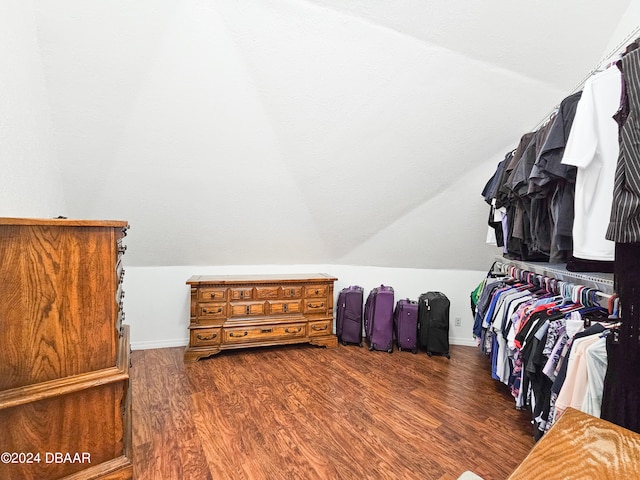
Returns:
<point x="433" y="323"/>
<point x="349" y="315"/>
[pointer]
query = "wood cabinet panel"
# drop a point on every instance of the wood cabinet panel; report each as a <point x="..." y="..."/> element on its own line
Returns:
<point x="205" y="336"/>
<point x="264" y="332"/>
<point x="283" y="307"/>
<point x="47" y="423"/>
<point x="322" y="327"/>
<point x="263" y="293"/>
<point x="50" y="327"/>
<point x="291" y="292"/>
<point x="261" y="310"/>
<point x="315" y="306"/>
<point x="315" y="291"/>
<point x="244" y="309"/>
<point x="241" y="293"/>
<point x="212" y="294"/>
<point x="213" y="310"/>
<point x="64" y="351"/>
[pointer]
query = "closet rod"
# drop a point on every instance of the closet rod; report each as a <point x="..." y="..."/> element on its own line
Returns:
<point x="506" y="269"/>
<point x="602" y="282"/>
<point x="616" y="50"/>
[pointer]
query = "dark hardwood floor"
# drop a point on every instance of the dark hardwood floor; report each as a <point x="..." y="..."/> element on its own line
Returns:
<point x="303" y="412"/>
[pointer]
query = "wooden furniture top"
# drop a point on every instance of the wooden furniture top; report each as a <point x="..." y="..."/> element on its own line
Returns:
<point x="272" y="278"/>
<point x="581" y="446"/>
<point x="62" y="222"/>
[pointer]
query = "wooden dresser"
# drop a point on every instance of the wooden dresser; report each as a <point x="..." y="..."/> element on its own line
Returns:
<point x="257" y="310"/>
<point x="65" y="397"/>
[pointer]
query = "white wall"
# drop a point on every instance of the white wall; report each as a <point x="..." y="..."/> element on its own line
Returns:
<point x="629" y="22"/>
<point x="30" y="181"/>
<point x="303" y="131"/>
<point x="156" y="302"/>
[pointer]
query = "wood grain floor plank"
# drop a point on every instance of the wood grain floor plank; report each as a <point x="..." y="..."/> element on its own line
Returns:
<point x="313" y="413"/>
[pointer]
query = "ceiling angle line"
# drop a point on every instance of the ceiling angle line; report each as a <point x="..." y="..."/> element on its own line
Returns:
<point x="615" y="51"/>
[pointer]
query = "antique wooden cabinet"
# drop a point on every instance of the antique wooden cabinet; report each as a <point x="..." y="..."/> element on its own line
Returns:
<point x="230" y="312"/>
<point x="64" y="352"/>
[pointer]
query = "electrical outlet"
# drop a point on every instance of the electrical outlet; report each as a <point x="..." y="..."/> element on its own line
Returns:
<point x="458" y="322"/>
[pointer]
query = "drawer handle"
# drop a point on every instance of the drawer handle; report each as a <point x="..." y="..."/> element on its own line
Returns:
<point x="284" y="308"/>
<point x="317" y="291"/>
<point x="287" y="330"/>
<point x="200" y="337"/>
<point x="244" y="334"/>
<point x="248" y="310"/>
<point x="266" y="330"/>
<point x="316" y="305"/>
<point x="318" y="329"/>
<point x="213" y="295"/>
<point x="212" y="311"/>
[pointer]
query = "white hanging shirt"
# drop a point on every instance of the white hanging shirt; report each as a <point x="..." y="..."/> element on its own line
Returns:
<point x="593" y="148"/>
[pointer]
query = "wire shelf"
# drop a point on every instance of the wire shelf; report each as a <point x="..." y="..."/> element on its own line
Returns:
<point x="599" y="281"/>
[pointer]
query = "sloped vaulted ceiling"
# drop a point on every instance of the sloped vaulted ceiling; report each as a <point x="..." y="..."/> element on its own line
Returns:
<point x="303" y="131"/>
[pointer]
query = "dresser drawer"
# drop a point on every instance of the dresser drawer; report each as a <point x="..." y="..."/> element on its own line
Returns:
<point x="264" y="293"/>
<point x="263" y="332"/>
<point x="322" y="327"/>
<point x="247" y="309"/>
<point x="212" y="310"/>
<point x="315" y="306"/>
<point x="241" y="293"/>
<point x="291" y="292"/>
<point x="212" y="294"/>
<point x="315" y="291"/>
<point x="202" y="337"/>
<point x="284" y="307"/>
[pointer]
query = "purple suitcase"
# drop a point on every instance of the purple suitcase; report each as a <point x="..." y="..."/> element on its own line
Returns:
<point x="405" y="324"/>
<point x="349" y="315"/>
<point x="378" y="318"/>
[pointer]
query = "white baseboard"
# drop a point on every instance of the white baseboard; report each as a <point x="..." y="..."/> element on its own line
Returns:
<point x="179" y="342"/>
<point x="183" y="342"/>
<point x="465" y="342"/>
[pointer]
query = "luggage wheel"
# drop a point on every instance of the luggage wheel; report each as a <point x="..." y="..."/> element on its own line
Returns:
<point x="429" y="353"/>
<point x="414" y="351"/>
<point x="390" y="350"/>
<point x="343" y="343"/>
<point x="371" y="347"/>
<point x="360" y="344"/>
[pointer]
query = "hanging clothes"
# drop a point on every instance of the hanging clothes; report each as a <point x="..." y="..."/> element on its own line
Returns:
<point x="557" y="181"/>
<point x="531" y="193"/>
<point x="593" y="148"/>
<point x="528" y="330"/>
<point x="624" y="226"/>
<point x="621" y="397"/>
